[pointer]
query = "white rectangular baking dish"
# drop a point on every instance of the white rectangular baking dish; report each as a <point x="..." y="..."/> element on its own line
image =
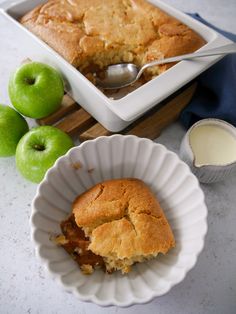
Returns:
<point x="117" y="114"/>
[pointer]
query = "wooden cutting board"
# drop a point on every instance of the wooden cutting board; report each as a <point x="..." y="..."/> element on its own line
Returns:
<point x="75" y="121"/>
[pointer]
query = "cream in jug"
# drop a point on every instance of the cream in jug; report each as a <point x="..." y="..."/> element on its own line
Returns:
<point x="209" y="148"/>
<point x="212" y="145"/>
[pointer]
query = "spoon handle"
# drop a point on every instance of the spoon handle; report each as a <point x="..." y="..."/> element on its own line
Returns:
<point x="223" y="50"/>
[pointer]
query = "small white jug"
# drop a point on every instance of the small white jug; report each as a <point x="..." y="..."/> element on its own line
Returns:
<point x="209" y="148"/>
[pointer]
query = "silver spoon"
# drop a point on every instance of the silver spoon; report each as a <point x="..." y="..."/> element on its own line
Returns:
<point x="123" y="74"/>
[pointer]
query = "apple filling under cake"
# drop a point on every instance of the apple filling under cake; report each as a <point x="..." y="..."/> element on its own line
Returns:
<point x="115" y="224"/>
<point x="92" y="34"/>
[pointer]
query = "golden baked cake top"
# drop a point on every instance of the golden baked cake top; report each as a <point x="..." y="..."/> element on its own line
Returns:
<point x="124" y="222"/>
<point x="92" y="34"/>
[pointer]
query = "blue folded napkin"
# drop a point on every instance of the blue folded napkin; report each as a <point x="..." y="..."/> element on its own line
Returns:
<point x="215" y="96"/>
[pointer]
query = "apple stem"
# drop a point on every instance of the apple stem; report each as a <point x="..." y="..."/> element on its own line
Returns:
<point x="30" y="80"/>
<point x="39" y="147"/>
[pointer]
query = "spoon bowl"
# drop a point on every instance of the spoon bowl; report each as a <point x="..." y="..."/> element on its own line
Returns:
<point x="124" y="74"/>
<point x="118" y="75"/>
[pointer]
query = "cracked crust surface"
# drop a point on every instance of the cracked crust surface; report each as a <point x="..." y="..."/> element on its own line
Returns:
<point x="124" y="222"/>
<point x="92" y="34"/>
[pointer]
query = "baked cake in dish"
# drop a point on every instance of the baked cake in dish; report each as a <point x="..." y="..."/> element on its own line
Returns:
<point x="92" y="34"/>
<point x="115" y="224"/>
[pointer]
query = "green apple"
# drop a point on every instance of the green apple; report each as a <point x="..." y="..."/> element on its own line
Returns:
<point x="38" y="150"/>
<point x="36" y="90"/>
<point x="12" y="127"/>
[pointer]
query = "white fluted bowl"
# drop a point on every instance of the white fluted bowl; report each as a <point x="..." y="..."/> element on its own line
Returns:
<point x="120" y="156"/>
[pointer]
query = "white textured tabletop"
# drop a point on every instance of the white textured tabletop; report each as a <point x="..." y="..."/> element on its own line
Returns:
<point x="25" y="286"/>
